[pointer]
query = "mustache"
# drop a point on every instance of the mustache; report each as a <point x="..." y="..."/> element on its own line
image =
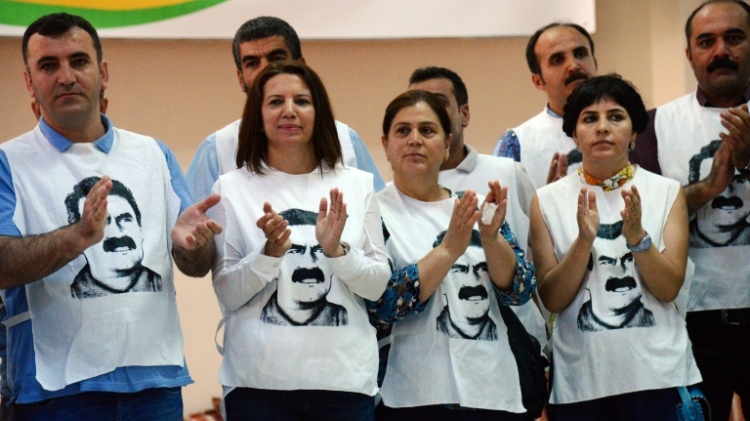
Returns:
<point x="722" y="63"/>
<point x="300" y="274"/>
<point x="615" y="283"/>
<point x="575" y="76"/>
<point x="112" y="244"/>
<point x="467" y="292"/>
<point x="726" y="202"/>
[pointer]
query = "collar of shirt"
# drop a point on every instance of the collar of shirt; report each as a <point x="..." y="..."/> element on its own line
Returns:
<point x="703" y="99"/>
<point x="470" y="161"/>
<point x="552" y="113"/>
<point x="60" y="143"/>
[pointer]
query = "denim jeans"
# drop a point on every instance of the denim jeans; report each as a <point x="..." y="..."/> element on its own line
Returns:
<point x="244" y="404"/>
<point x="161" y="404"/>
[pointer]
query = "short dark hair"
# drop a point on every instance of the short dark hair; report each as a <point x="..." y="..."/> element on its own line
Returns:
<point x="432" y="72"/>
<point x="264" y="27"/>
<point x="689" y="22"/>
<point x="476" y="239"/>
<point x="296" y="216"/>
<point x="694" y="165"/>
<point x="83" y="188"/>
<point x="611" y="86"/>
<point x="56" y="25"/>
<point x="610" y="231"/>
<point x="412" y="98"/>
<point x="252" y="150"/>
<point x="533" y="61"/>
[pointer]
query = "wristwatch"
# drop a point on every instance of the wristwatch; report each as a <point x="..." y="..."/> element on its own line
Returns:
<point x="644" y="245"/>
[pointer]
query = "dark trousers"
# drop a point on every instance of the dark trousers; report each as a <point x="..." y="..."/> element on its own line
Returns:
<point x="245" y="404"/>
<point x="441" y="413"/>
<point x="722" y="352"/>
<point x="647" y="405"/>
<point x="163" y="404"/>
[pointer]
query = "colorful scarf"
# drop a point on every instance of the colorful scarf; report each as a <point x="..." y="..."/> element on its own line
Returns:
<point x="616" y="181"/>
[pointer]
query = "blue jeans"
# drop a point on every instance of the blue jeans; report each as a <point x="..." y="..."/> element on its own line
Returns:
<point x="161" y="404"/>
<point x="244" y="404"/>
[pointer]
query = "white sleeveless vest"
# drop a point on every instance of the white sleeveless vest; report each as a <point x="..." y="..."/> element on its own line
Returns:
<point x="76" y="338"/>
<point x="432" y="361"/>
<point x="226" y="146"/>
<point x="687" y="132"/>
<point x="593" y="357"/>
<point x="335" y="351"/>
<point x="490" y="168"/>
<point x="539" y="139"/>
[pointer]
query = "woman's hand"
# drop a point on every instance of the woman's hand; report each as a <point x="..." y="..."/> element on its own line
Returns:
<point x="330" y="224"/>
<point x="632" y="229"/>
<point x="277" y="232"/>
<point x="458" y="234"/>
<point x="587" y="216"/>
<point x="499" y="196"/>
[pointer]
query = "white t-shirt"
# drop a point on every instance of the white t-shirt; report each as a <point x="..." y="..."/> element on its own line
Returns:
<point x="615" y="337"/>
<point x="299" y="321"/>
<point x="456" y="351"/>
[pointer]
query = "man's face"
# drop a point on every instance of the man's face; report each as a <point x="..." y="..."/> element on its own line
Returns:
<point x="612" y="284"/>
<point x="726" y="213"/>
<point x="719" y="50"/>
<point x="443" y="89"/>
<point x="471" y="276"/>
<point x="255" y="55"/>
<point x="63" y="76"/>
<point x="114" y="259"/>
<point x="565" y="59"/>
<point x="310" y="273"/>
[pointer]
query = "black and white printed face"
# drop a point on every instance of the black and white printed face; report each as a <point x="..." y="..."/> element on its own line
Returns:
<point x="471" y="278"/>
<point x="113" y="260"/>
<point x="727" y="214"/>
<point x="306" y="275"/>
<point x="612" y="282"/>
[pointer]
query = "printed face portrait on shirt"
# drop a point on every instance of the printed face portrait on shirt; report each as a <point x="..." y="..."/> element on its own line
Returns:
<point x="613" y="289"/>
<point x="466" y="294"/>
<point x="113" y="264"/>
<point x="723" y="221"/>
<point x="304" y="280"/>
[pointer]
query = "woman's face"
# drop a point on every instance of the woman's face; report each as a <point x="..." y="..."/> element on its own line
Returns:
<point x="603" y="132"/>
<point x="288" y="112"/>
<point x="416" y="142"/>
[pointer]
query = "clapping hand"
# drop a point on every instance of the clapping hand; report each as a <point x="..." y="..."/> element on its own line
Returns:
<point x="587" y="215"/>
<point x="276" y="230"/>
<point x="497" y="195"/>
<point x="194" y="229"/>
<point x="330" y="224"/>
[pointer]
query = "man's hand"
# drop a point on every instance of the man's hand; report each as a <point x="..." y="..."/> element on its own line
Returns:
<point x="722" y="170"/>
<point x="194" y="229"/>
<point x="737" y="138"/>
<point x="90" y="228"/>
<point x="330" y="224"/>
<point x="558" y="168"/>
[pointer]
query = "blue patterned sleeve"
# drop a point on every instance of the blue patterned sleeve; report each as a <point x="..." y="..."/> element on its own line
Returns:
<point x="400" y="298"/>
<point x="524" y="283"/>
<point x="508" y="146"/>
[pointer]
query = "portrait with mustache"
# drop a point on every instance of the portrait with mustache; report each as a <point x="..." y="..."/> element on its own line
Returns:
<point x="614" y="292"/>
<point x="466" y="293"/>
<point x="114" y="265"/>
<point x="304" y="280"/>
<point x="723" y="221"/>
